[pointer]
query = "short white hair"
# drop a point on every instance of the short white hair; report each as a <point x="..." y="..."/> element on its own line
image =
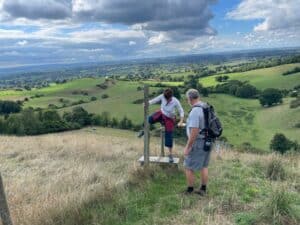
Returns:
<point x="192" y="94"/>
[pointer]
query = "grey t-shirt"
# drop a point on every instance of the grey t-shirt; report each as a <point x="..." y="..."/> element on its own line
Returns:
<point x="195" y="118"/>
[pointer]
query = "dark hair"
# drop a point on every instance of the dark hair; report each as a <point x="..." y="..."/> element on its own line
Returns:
<point x="168" y="93"/>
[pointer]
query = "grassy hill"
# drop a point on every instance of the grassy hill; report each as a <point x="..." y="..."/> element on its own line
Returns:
<point x="245" y="121"/>
<point x="262" y="78"/>
<point x="92" y="177"/>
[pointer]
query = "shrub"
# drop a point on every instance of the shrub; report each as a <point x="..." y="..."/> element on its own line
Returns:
<point x="93" y="98"/>
<point x="102" y="86"/>
<point x="75" y="92"/>
<point x="270" y="97"/>
<point x="247" y="147"/>
<point x="294" y="94"/>
<point x="280" y="143"/>
<point x="278" y="209"/>
<point x="138" y="101"/>
<point x="275" y="170"/>
<point x="52" y="106"/>
<point x="104" y="96"/>
<point x="222" y="78"/>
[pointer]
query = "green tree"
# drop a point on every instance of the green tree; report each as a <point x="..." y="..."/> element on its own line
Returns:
<point x="14" y="125"/>
<point x="7" y="107"/>
<point x="2" y="126"/>
<point x="280" y="143"/>
<point x="30" y="121"/>
<point x="246" y="91"/>
<point x="270" y="97"/>
<point x="114" y="122"/>
<point x="105" y="119"/>
<point x="176" y="92"/>
<point x="219" y="78"/>
<point x="78" y="115"/>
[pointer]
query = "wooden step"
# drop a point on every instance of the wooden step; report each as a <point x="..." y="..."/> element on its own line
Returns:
<point x="159" y="159"/>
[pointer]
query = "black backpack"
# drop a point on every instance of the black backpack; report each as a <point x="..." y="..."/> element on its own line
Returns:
<point x="213" y="126"/>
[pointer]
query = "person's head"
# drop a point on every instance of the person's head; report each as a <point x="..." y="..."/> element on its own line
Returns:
<point x="168" y="93"/>
<point x="192" y="96"/>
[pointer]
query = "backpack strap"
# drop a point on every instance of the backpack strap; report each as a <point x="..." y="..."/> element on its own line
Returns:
<point x="205" y="113"/>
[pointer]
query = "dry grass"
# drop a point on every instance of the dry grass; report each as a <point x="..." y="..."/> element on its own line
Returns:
<point x="53" y="172"/>
<point x="56" y="173"/>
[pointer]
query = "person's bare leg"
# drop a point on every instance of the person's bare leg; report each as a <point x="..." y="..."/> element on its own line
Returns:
<point x="204" y="180"/>
<point x="204" y="176"/>
<point x="170" y="151"/>
<point x="190" y="177"/>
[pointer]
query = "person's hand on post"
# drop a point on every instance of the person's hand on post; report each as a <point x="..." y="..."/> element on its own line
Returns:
<point x="180" y="124"/>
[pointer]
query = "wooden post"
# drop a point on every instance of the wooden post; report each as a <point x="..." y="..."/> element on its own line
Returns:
<point x="162" y="146"/>
<point x="4" y="211"/>
<point x="146" y="126"/>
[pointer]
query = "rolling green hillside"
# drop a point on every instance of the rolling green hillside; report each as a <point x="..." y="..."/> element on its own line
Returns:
<point x="244" y="120"/>
<point x="262" y="78"/>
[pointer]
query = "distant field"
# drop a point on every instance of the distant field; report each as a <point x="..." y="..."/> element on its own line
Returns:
<point x="56" y="89"/>
<point x="168" y="83"/>
<point x="262" y="78"/>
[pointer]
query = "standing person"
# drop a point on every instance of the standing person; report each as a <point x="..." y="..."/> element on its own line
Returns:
<point x="196" y="154"/>
<point x="166" y="116"/>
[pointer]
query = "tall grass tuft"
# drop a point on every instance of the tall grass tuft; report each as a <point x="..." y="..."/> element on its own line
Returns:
<point x="278" y="209"/>
<point x="275" y="170"/>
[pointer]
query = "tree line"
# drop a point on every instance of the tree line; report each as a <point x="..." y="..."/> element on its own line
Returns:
<point x="34" y="122"/>
<point x="295" y="70"/>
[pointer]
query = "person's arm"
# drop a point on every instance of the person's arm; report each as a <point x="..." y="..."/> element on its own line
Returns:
<point x="193" y="136"/>
<point x="155" y="100"/>
<point x="181" y="113"/>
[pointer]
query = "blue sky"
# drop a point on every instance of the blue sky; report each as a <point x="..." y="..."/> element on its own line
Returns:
<point x="70" y="31"/>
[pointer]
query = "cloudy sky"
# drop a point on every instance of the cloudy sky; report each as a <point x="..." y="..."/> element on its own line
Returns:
<point x="70" y="31"/>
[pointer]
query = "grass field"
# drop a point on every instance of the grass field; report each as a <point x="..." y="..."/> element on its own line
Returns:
<point x="92" y="176"/>
<point x="262" y="78"/>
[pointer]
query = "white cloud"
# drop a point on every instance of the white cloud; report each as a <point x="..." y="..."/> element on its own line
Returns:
<point x="93" y="50"/>
<point x="132" y="43"/>
<point x="104" y="35"/>
<point x="22" y="43"/>
<point x="276" y="14"/>
<point x="158" y="39"/>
